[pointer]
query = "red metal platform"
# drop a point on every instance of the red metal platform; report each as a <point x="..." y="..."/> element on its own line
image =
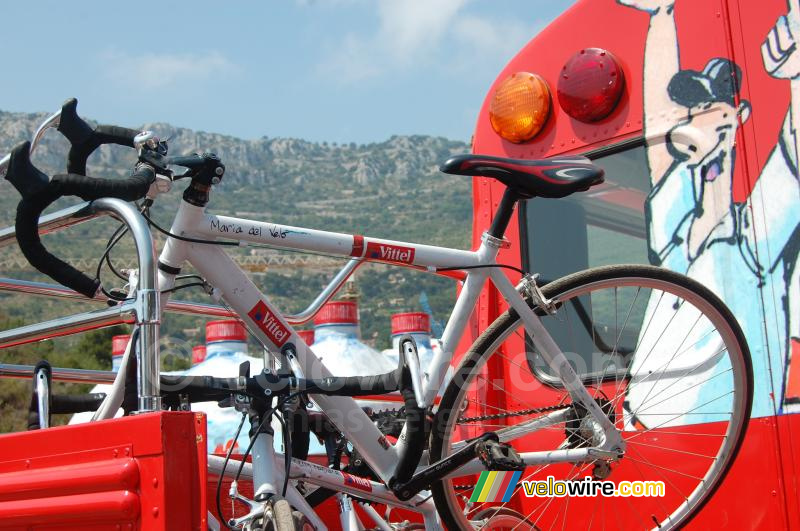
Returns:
<point x="140" y="472"/>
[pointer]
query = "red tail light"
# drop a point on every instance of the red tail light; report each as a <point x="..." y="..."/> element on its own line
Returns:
<point x="590" y="85"/>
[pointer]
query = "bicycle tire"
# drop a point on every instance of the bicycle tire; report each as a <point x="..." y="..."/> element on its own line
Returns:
<point x="280" y="517"/>
<point x="695" y="429"/>
<point x="301" y="523"/>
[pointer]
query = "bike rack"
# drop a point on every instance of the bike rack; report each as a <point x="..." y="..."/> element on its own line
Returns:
<point x="144" y="307"/>
<point x="85" y="376"/>
<point x="141" y="308"/>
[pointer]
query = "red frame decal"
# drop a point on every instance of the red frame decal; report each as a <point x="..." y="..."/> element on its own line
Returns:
<point x="390" y="253"/>
<point x="357" y="482"/>
<point x="269" y="323"/>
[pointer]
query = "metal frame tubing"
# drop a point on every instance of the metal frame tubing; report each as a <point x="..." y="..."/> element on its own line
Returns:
<point x="145" y="307"/>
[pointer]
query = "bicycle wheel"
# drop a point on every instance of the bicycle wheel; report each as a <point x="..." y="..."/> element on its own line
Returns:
<point x="666" y="361"/>
<point x="279" y="517"/>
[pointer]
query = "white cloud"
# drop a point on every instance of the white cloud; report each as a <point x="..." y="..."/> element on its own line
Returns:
<point x="413" y="32"/>
<point x="151" y="71"/>
<point x="489" y="42"/>
<point x="411" y="28"/>
<point x="406" y="32"/>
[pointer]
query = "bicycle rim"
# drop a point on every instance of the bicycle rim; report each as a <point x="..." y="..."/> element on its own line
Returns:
<point x="663" y="357"/>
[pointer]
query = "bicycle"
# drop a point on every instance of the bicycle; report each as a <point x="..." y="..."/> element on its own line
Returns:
<point x="667" y="397"/>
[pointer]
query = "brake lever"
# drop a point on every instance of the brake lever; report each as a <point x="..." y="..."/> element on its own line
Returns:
<point x="52" y="121"/>
<point x="4" y="165"/>
<point x="153" y="151"/>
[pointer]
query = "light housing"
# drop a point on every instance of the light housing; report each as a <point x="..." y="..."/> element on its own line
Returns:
<point x="590" y="85"/>
<point x="520" y="107"/>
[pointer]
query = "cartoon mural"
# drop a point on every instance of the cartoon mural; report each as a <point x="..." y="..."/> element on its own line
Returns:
<point x="744" y="251"/>
<point x="782" y="60"/>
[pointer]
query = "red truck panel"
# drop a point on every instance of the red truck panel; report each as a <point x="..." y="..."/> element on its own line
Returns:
<point x="139" y="472"/>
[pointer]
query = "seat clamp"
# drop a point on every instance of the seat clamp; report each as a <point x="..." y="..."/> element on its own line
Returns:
<point x="497" y="243"/>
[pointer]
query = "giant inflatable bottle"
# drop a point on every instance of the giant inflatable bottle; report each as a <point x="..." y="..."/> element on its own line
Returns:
<point x="337" y="342"/>
<point x="226" y="349"/>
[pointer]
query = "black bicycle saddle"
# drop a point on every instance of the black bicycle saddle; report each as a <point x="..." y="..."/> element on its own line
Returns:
<point x="553" y="177"/>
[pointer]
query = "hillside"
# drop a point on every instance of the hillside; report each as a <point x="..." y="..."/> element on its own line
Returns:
<point x="388" y="189"/>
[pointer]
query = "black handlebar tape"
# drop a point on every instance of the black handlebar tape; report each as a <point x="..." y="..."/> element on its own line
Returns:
<point x="192" y="162"/>
<point x="69" y="404"/>
<point x="85" y="140"/>
<point x="199" y="388"/>
<point x="354" y="385"/>
<point x="87" y="188"/>
<point x="64" y="404"/>
<point x="23" y="175"/>
<point x="71" y="125"/>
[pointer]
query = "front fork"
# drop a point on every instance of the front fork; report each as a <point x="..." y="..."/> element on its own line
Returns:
<point x="265" y="480"/>
<point x="552" y="354"/>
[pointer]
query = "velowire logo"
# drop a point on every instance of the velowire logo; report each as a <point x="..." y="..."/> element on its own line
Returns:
<point x="495" y="486"/>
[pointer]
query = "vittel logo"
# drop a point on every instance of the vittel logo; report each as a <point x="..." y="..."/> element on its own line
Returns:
<point x="357" y="482"/>
<point x="390" y="253"/>
<point x="269" y="324"/>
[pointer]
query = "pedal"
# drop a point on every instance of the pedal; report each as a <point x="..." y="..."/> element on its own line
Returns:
<point x="499" y="456"/>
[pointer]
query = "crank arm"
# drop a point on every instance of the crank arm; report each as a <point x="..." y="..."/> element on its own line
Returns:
<point x="436" y="471"/>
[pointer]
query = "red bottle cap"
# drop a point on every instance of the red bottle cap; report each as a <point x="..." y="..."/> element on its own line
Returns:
<point x="230" y="330"/>
<point x="337" y="312"/>
<point x="118" y="345"/>
<point x="307" y="335"/>
<point x="411" y="323"/>
<point x="198" y="353"/>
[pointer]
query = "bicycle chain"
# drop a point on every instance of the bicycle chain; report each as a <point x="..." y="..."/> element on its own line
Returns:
<point x="391" y="415"/>
<point x="522" y="413"/>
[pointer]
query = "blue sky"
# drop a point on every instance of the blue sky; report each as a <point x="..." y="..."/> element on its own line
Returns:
<point x="323" y="70"/>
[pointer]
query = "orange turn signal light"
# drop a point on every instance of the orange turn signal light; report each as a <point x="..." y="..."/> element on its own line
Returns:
<point x="520" y="107"/>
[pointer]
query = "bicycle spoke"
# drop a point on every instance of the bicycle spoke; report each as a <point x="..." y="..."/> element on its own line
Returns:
<point x="636" y="383"/>
<point x="648" y="335"/>
<point x="683" y="391"/>
<point x="672" y="357"/>
<point x="685" y="452"/>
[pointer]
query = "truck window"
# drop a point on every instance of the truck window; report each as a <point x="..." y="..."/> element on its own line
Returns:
<point x="603" y="226"/>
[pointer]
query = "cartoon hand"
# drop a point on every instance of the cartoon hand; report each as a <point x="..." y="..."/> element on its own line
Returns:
<point x="779" y="49"/>
<point x="650" y="6"/>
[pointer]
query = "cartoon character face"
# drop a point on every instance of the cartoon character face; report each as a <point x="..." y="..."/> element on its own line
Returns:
<point x="705" y="138"/>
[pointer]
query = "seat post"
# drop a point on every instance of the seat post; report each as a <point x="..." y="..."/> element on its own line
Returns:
<point x="503" y="215"/>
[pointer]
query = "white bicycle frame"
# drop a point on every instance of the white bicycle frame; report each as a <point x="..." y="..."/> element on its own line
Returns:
<point x="275" y="332"/>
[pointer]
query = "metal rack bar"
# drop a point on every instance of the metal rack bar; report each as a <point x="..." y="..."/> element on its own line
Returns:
<point x="59" y="220"/>
<point x="145" y="307"/>
<point x="55" y="290"/>
<point x="25" y="372"/>
<point x="71" y="324"/>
